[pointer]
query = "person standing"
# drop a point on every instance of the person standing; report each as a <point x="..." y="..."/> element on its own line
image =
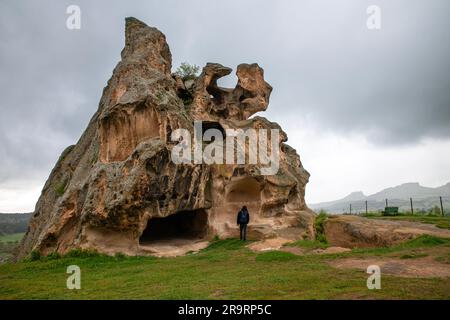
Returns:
<point x="243" y="218"/>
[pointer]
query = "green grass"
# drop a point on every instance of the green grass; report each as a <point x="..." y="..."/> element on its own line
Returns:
<point x="15" y="237"/>
<point x="309" y="244"/>
<point x="438" y="221"/>
<point x="444" y="259"/>
<point x="413" y="255"/>
<point x="224" y="270"/>
<point x="319" y="226"/>
<point x="276" y="256"/>
<point x="424" y="241"/>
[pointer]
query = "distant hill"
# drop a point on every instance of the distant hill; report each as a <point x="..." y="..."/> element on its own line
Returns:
<point x="407" y="190"/>
<point x="424" y="198"/>
<point x="13" y="222"/>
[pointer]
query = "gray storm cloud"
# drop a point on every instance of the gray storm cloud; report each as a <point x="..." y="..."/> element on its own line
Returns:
<point x="326" y="67"/>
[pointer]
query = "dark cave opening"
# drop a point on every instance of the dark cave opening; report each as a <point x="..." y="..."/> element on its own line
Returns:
<point x="180" y="225"/>
<point x="216" y="93"/>
<point x="206" y="125"/>
<point x="186" y="96"/>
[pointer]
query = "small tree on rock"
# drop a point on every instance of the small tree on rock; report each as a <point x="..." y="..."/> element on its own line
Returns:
<point x="187" y="71"/>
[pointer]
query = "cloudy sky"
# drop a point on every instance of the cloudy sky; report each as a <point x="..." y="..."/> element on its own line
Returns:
<point x="365" y="109"/>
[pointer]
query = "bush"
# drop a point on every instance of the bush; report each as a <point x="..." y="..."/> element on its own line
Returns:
<point x="35" y="255"/>
<point x="321" y="238"/>
<point x="187" y="71"/>
<point x="120" y="256"/>
<point x="319" y="226"/>
<point x="53" y="256"/>
<point x="435" y="211"/>
<point x="309" y="244"/>
<point x="60" y="188"/>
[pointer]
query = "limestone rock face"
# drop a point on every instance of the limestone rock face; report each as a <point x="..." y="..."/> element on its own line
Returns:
<point x="119" y="190"/>
<point x="250" y="95"/>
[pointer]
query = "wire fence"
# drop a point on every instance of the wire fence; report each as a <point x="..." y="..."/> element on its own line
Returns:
<point x="439" y="205"/>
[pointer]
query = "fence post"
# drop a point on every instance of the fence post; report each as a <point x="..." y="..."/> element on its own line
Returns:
<point x="366" y="207"/>
<point x="412" y="208"/>
<point x="442" y="207"/>
<point x="350" y="208"/>
<point x="387" y="203"/>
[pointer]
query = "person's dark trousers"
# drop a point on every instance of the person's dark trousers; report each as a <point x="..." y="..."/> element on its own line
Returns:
<point x="243" y="231"/>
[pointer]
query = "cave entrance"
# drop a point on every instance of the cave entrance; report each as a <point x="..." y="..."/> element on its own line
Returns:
<point x="243" y="191"/>
<point x="183" y="225"/>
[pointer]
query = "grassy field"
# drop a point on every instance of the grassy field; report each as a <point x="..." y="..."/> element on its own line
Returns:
<point x="439" y="221"/>
<point x="224" y="270"/>
<point x="16" y="237"/>
<point x="8" y="243"/>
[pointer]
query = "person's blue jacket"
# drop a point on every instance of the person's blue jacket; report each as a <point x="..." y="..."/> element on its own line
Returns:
<point x="243" y="217"/>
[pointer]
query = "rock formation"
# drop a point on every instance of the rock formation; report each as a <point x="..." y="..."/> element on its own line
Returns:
<point x="118" y="190"/>
<point x="358" y="232"/>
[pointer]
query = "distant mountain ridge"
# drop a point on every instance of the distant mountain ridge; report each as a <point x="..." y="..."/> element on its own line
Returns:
<point x="412" y="189"/>
<point x="424" y="198"/>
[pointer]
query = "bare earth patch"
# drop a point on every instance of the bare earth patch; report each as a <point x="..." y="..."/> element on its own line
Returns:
<point x="422" y="267"/>
<point x="268" y="244"/>
<point x="172" y="247"/>
<point x="295" y="250"/>
<point x="302" y="251"/>
<point x="331" y="250"/>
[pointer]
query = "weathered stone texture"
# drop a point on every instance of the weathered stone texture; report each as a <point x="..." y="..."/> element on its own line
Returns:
<point x="107" y="191"/>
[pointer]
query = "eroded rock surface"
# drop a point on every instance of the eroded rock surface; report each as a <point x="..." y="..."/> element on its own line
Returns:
<point x="357" y="232"/>
<point x="118" y="190"/>
<point x="250" y="95"/>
